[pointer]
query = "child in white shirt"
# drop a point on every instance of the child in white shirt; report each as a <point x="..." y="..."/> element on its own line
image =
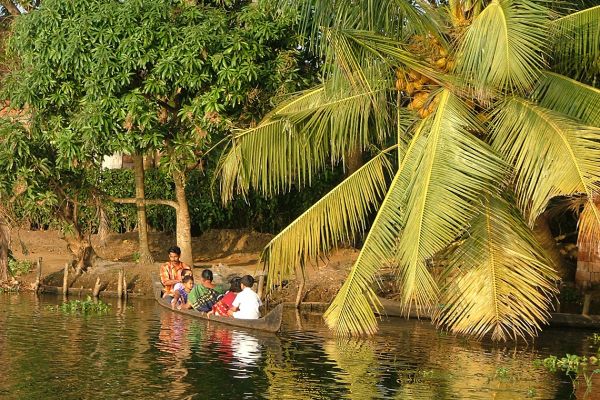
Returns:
<point x="247" y="302"/>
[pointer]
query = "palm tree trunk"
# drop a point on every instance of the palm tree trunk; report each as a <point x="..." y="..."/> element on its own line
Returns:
<point x="544" y="236"/>
<point x="354" y="161"/>
<point x="140" y="196"/>
<point x="184" y="230"/>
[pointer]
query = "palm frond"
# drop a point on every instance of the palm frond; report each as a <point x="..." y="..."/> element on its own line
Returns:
<point x="504" y="45"/>
<point x="500" y="280"/>
<point x="453" y="171"/>
<point x="338" y="216"/>
<point x="390" y="51"/>
<point x="351" y="311"/>
<point x="577" y="43"/>
<point x="552" y="155"/>
<point x="296" y="140"/>
<point x="397" y="18"/>
<point x="569" y="97"/>
<point x="589" y="225"/>
<point x="270" y="158"/>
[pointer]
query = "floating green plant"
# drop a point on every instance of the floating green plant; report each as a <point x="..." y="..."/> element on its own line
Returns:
<point x="87" y="306"/>
<point x="574" y="366"/>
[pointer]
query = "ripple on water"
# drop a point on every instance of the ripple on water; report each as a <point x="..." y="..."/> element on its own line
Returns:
<point x="146" y="351"/>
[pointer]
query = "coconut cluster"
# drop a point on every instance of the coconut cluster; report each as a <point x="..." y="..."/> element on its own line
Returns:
<point x="416" y="87"/>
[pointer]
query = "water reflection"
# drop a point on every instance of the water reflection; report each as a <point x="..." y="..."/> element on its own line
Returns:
<point x="246" y="349"/>
<point x="145" y="351"/>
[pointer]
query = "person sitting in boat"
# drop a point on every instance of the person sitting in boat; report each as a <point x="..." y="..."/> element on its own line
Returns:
<point x="171" y="271"/>
<point x="181" y="289"/>
<point x="246" y="304"/>
<point x="222" y="306"/>
<point x="206" y="294"/>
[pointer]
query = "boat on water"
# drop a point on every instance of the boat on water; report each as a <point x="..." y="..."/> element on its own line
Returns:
<point x="269" y="323"/>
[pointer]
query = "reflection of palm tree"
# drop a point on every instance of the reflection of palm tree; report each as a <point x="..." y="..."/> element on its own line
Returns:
<point x="471" y="97"/>
<point x="285" y="376"/>
<point x="357" y="360"/>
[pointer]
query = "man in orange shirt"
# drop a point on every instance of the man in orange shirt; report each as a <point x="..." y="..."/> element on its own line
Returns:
<point x="172" y="271"/>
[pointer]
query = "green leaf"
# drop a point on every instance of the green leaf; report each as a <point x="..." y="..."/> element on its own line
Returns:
<point x="504" y="46"/>
<point x="552" y="155"/>
<point x="499" y="279"/>
<point x="340" y="215"/>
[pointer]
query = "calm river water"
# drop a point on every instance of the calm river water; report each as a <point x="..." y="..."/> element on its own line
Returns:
<point x="144" y="351"/>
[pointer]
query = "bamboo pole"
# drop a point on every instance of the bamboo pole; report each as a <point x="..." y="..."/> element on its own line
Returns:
<point x="65" y="288"/>
<point x="120" y="284"/>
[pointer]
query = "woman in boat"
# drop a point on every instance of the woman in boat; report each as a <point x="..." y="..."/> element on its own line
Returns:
<point x="203" y="297"/>
<point x="222" y="306"/>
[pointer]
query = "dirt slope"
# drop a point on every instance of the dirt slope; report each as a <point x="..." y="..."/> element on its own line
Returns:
<point x="227" y="252"/>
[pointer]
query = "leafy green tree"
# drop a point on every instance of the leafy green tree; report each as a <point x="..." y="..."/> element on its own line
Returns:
<point x="166" y="76"/>
<point x="463" y="105"/>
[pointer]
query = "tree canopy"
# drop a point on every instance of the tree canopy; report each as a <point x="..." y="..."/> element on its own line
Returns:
<point x="95" y="77"/>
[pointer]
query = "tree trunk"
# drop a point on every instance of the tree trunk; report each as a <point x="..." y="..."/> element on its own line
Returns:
<point x="4" y="249"/>
<point x="544" y="236"/>
<point x="82" y="250"/>
<point x="184" y="230"/>
<point x="354" y="161"/>
<point x="103" y="227"/>
<point x="78" y="244"/>
<point x="10" y="7"/>
<point x="140" y="196"/>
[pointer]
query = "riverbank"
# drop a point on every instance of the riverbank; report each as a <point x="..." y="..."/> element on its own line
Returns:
<point x="227" y="252"/>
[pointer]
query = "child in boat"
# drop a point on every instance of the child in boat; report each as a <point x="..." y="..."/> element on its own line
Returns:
<point x="181" y="290"/>
<point x="203" y="296"/>
<point x="222" y="306"/>
<point x="246" y="304"/>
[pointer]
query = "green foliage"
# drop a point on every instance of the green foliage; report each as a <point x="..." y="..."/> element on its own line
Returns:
<point x="93" y="77"/>
<point x="574" y="366"/>
<point x="84" y="307"/>
<point x="16" y="267"/>
<point x="206" y="210"/>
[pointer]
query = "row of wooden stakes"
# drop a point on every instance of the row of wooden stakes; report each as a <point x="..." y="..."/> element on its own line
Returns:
<point x="121" y="282"/>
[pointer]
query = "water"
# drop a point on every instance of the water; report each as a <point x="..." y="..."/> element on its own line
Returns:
<point x="145" y="351"/>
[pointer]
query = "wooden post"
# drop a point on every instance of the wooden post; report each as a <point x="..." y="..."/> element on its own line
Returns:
<point x="587" y="299"/>
<point x="120" y="284"/>
<point x="96" y="291"/>
<point x="261" y="284"/>
<point x="301" y="282"/>
<point x="66" y="280"/>
<point x="38" y="280"/>
<point x="124" y="286"/>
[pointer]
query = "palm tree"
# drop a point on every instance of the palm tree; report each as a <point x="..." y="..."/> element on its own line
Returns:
<point x="464" y="112"/>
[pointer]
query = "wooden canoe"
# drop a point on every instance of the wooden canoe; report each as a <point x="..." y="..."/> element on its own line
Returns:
<point x="269" y="323"/>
